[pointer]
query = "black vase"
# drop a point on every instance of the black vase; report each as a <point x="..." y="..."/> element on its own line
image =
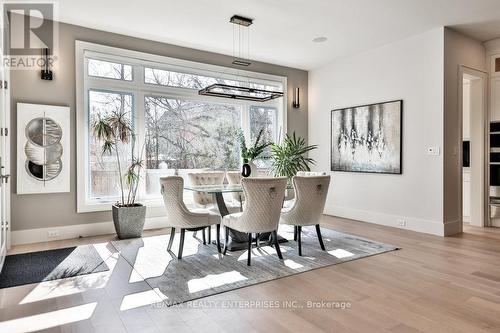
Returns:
<point x="246" y="170"/>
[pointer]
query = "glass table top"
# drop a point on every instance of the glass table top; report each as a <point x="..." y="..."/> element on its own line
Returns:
<point x="226" y="188"/>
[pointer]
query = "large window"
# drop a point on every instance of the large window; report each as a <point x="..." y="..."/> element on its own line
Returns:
<point x="179" y="130"/>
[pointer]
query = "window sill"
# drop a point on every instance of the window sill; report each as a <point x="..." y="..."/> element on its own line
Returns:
<point x="106" y="206"/>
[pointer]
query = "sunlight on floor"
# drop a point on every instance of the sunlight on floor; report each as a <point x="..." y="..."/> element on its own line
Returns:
<point x="292" y="264"/>
<point x="136" y="300"/>
<point x="152" y="257"/>
<point x="214" y="280"/>
<point x="340" y="253"/>
<point x="48" y="319"/>
<point x="70" y="286"/>
<point x="77" y="284"/>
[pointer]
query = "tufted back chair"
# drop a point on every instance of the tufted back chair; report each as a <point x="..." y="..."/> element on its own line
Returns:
<point x="310" y="173"/>
<point x="205" y="178"/>
<point x="234" y="178"/>
<point x="262" y="208"/>
<point x="178" y="215"/>
<point x="311" y="192"/>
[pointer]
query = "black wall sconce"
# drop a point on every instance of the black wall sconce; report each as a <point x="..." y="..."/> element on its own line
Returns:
<point x="46" y="72"/>
<point x="296" y="98"/>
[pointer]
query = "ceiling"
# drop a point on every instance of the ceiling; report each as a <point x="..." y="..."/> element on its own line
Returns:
<point x="283" y="30"/>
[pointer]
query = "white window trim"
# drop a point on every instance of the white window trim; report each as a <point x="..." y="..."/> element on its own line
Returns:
<point x="108" y="53"/>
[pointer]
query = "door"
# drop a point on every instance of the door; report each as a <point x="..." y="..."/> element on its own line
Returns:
<point x="4" y="155"/>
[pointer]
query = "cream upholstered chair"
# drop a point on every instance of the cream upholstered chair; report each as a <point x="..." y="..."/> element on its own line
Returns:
<point x="202" y="199"/>
<point x="178" y="216"/>
<point x="310" y="173"/>
<point x="234" y="178"/>
<point x="311" y="192"/>
<point x="261" y="211"/>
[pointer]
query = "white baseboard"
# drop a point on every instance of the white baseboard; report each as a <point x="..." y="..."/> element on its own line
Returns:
<point x="414" y="224"/>
<point x="30" y="236"/>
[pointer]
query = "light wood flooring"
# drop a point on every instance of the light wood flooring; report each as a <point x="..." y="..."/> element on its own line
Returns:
<point x="433" y="284"/>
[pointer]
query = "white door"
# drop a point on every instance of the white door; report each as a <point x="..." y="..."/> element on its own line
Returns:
<point x="4" y="156"/>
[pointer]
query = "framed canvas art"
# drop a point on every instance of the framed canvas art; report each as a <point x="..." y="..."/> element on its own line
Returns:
<point x="43" y="148"/>
<point x="367" y="138"/>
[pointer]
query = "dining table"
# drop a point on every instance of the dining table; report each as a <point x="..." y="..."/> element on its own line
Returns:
<point x="237" y="240"/>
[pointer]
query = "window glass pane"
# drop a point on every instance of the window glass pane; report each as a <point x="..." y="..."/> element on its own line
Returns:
<point x="110" y="70"/>
<point x="263" y="118"/>
<point x="104" y="176"/>
<point x="195" y="81"/>
<point x="184" y="134"/>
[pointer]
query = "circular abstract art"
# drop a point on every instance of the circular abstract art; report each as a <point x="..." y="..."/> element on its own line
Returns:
<point x="43" y="149"/>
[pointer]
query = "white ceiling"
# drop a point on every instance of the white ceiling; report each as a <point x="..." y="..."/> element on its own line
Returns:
<point x="283" y="29"/>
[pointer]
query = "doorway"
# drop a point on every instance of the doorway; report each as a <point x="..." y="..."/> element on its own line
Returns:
<point x="475" y="147"/>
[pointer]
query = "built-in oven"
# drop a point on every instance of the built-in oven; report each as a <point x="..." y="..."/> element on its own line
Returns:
<point x="495" y="173"/>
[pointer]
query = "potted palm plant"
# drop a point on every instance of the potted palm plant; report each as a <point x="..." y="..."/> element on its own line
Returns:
<point x="114" y="131"/>
<point x="290" y="156"/>
<point x="249" y="154"/>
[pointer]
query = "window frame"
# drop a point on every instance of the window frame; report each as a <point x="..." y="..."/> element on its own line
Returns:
<point x="139" y="89"/>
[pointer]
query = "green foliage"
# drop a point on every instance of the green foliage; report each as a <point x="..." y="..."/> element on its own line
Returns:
<point x="113" y="130"/>
<point x="254" y="151"/>
<point x="289" y="156"/>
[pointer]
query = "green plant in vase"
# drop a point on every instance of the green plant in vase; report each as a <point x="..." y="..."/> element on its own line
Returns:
<point x="113" y="131"/>
<point x="249" y="154"/>
<point x="290" y="156"/>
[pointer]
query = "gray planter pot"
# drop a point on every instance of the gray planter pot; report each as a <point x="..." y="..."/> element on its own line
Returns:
<point x="129" y="221"/>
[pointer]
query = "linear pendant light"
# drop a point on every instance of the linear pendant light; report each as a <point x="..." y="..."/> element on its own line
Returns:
<point x="240" y="92"/>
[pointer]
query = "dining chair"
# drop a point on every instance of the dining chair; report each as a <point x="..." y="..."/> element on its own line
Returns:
<point x="203" y="199"/>
<point x="310" y="173"/>
<point x="261" y="211"/>
<point x="307" y="209"/>
<point x="179" y="216"/>
<point x="234" y="178"/>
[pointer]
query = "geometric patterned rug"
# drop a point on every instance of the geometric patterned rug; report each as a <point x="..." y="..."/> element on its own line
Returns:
<point x="203" y="272"/>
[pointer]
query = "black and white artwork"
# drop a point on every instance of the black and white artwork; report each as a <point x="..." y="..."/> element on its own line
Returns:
<point x="367" y="138"/>
<point x="42" y="148"/>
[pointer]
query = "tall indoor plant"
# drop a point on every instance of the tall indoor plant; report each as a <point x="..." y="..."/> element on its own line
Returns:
<point x="249" y="154"/>
<point x="113" y="131"/>
<point x="290" y="156"/>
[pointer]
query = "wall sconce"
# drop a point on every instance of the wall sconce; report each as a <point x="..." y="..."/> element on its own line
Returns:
<point x="296" y="98"/>
<point x="46" y="72"/>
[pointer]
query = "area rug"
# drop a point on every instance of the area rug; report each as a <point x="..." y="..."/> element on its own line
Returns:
<point x="203" y="272"/>
<point x="35" y="267"/>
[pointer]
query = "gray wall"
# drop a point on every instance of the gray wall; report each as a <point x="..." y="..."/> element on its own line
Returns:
<point x="49" y="210"/>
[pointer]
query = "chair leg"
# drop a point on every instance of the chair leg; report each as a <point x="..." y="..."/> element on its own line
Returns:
<point x="318" y="232"/>
<point x="299" y="239"/>
<point x="295" y="233"/>
<point x="171" y="240"/>
<point x="194" y="234"/>
<point x="181" y="244"/>
<point x="218" y="237"/>
<point x="257" y="240"/>
<point x="277" y="244"/>
<point x="209" y="229"/>
<point x="226" y="242"/>
<point x="203" y="233"/>
<point x="249" y="249"/>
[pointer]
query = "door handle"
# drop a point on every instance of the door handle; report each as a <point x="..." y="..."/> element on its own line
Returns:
<point x="4" y="178"/>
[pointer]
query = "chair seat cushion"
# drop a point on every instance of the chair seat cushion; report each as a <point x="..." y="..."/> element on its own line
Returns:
<point x="231" y="221"/>
<point x="231" y="209"/>
<point x="212" y="217"/>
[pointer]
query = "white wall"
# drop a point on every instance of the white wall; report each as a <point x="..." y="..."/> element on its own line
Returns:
<point x="458" y="50"/>
<point x="412" y="70"/>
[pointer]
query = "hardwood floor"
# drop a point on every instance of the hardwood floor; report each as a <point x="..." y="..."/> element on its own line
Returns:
<point x="432" y="284"/>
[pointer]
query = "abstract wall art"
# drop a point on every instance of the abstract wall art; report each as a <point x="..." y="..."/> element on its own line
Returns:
<point x="43" y="159"/>
<point x="367" y="138"/>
